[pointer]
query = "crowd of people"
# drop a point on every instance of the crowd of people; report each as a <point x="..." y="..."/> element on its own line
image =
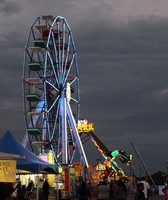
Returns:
<point x="10" y="191"/>
<point x="113" y="190"/>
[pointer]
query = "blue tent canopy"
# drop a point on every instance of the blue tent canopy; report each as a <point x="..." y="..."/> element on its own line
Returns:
<point x="9" y="144"/>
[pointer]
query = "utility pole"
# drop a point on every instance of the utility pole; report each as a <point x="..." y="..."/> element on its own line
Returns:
<point x="142" y="162"/>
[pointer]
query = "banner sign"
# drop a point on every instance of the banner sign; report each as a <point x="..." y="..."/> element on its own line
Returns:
<point x="8" y="171"/>
<point x="100" y="167"/>
<point x="85" y="126"/>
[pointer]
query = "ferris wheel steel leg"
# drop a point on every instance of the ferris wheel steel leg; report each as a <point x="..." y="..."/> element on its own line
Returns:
<point x="79" y="143"/>
<point x="25" y="140"/>
<point x="142" y="162"/>
<point x="64" y="129"/>
<point x="44" y="133"/>
<point x="75" y="131"/>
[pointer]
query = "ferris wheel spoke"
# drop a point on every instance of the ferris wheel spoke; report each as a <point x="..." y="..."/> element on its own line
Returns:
<point x="58" y="46"/>
<point x="73" y="81"/>
<point x="67" y="55"/>
<point x="55" y="122"/>
<point x="53" y="68"/>
<point x="53" y="47"/>
<point x="63" y="45"/>
<point x="55" y="51"/>
<point x="53" y="104"/>
<point x="75" y="100"/>
<point x="52" y="86"/>
<point x="73" y="43"/>
<point x="68" y="72"/>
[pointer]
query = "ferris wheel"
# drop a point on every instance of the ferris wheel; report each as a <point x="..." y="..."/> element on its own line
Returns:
<point x="51" y="90"/>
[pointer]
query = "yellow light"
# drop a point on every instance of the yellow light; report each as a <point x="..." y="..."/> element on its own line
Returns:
<point x="51" y="157"/>
<point x="60" y="170"/>
<point x="101" y="167"/>
<point x="85" y="126"/>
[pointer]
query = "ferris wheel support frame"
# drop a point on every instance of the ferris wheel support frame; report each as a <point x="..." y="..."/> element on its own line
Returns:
<point x="76" y="135"/>
<point x="64" y="128"/>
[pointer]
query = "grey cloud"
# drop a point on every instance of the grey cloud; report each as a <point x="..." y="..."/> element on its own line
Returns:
<point x="8" y="7"/>
<point x="126" y="73"/>
<point x="2" y="1"/>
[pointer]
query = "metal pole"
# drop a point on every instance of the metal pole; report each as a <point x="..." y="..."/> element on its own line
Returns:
<point x="57" y="188"/>
<point x="138" y="154"/>
<point x="130" y="169"/>
<point x="37" y="194"/>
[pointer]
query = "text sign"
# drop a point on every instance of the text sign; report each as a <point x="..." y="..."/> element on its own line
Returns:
<point x="7" y="170"/>
<point x="101" y="167"/>
<point x="85" y="126"/>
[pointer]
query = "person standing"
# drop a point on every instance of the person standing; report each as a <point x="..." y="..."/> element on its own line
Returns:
<point x="111" y="190"/>
<point x="103" y="191"/>
<point x="139" y="195"/>
<point x="165" y="191"/>
<point x="46" y="189"/>
<point x="29" y="189"/>
<point x="83" y="192"/>
<point x="30" y="186"/>
<point x="121" y="191"/>
<point x="23" y="192"/>
<point x="19" y="191"/>
<point x="146" y="188"/>
<point x="9" y="191"/>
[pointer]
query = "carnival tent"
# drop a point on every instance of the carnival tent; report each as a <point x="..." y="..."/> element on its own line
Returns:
<point x="9" y="144"/>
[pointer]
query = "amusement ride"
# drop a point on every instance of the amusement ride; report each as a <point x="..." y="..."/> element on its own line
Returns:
<point x="51" y="96"/>
<point x="51" y="90"/>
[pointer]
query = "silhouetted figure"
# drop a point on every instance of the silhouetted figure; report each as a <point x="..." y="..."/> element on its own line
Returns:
<point x="165" y="190"/>
<point x="23" y="192"/>
<point x="46" y="189"/>
<point x="9" y="189"/>
<point x="103" y="191"/>
<point x="29" y="189"/>
<point x="83" y="192"/>
<point x="6" y="189"/>
<point x="139" y="195"/>
<point x="111" y="190"/>
<point x="30" y="186"/>
<point x="121" y="191"/>
<point x="146" y="188"/>
<point x="2" y="191"/>
<point x="18" y="190"/>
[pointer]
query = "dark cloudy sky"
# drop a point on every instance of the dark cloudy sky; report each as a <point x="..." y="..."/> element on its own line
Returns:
<point x="122" y="49"/>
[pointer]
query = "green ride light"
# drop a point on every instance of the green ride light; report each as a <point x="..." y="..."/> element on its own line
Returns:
<point x="127" y="154"/>
<point x="124" y="157"/>
<point x="122" y="160"/>
<point x="115" y="153"/>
